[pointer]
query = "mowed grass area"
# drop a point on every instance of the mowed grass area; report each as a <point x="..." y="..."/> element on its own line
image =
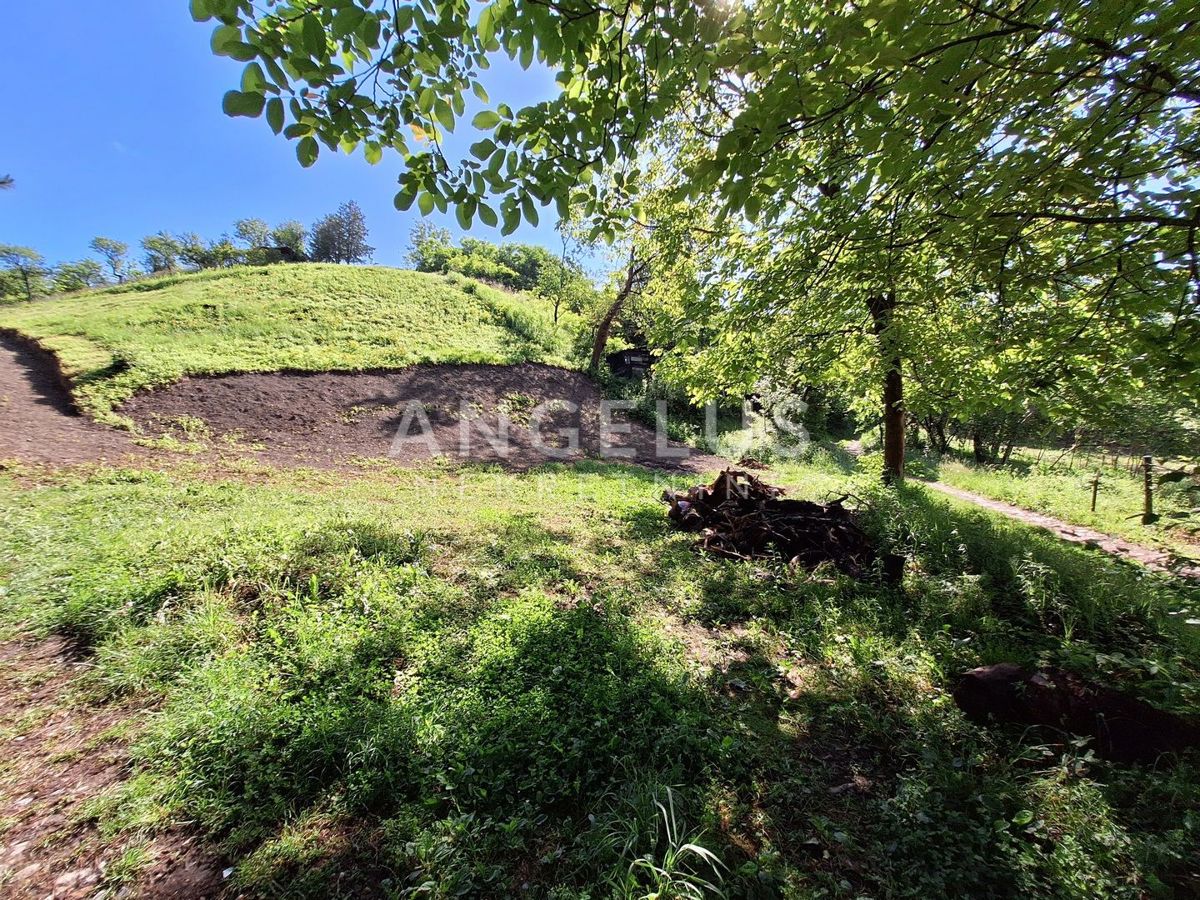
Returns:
<point x="116" y="341"/>
<point x="476" y="683"/>
<point x="1066" y="493"/>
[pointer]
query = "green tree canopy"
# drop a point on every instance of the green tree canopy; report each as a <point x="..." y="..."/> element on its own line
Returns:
<point x="25" y="271"/>
<point x="341" y="237"/>
<point x="113" y="252"/>
<point x="1016" y="142"/>
<point x="252" y="232"/>
<point x="78" y="275"/>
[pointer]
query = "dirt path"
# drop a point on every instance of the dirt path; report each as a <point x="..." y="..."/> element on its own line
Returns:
<point x="60" y="754"/>
<point x="38" y="422"/>
<point x="1158" y="560"/>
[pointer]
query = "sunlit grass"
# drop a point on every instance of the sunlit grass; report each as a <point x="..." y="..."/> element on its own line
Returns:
<point x="491" y="683"/>
<point x="116" y="341"/>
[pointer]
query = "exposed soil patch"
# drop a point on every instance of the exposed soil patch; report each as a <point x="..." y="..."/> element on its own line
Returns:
<point x="409" y="416"/>
<point x="38" y="421"/>
<point x="59" y="754"/>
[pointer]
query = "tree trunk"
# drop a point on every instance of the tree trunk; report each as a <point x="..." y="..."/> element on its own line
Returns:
<point x="602" y="332"/>
<point x="882" y="308"/>
<point x="632" y="276"/>
<point x="935" y="427"/>
<point x="28" y="289"/>
<point x="977" y="446"/>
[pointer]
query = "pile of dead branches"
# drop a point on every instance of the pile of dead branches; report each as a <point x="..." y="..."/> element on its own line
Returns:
<point x="741" y="517"/>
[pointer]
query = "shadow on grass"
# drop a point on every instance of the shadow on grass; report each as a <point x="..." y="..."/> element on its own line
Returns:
<point x="461" y="734"/>
<point x="377" y="719"/>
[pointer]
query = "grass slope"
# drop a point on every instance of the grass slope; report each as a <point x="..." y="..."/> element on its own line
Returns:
<point x="475" y="683"/>
<point x="116" y="341"/>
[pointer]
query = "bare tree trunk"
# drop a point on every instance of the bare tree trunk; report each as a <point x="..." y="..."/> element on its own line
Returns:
<point x="881" y="308"/>
<point x="633" y="276"/>
<point x="978" y="449"/>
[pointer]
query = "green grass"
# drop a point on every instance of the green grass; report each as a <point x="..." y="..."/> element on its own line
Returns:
<point x="1066" y="493"/>
<point x="119" y="340"/>
<point x="476" y="683"/>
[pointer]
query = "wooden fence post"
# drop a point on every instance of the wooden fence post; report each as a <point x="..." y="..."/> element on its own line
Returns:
<point x="1095" y="490"/>
<point x="1148" y="510"/>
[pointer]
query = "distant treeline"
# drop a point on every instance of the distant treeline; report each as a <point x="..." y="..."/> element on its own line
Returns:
<point x="340" y="237"/>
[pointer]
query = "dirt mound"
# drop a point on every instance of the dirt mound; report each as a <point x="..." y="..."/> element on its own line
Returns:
<point x="38" y="419"/>
<point x="742" y="517"/>
<point x="518" y="416"/>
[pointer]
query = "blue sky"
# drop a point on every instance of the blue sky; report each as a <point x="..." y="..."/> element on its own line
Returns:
<point x="114" y="126"/>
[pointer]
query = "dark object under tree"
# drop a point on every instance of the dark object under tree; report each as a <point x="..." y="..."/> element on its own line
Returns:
<point x="1122" y="727"/>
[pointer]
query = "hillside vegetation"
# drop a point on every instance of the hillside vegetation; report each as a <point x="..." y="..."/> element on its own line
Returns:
<point x="116" y="341"/>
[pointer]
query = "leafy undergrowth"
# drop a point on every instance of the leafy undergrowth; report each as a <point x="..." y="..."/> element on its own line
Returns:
<point x="491" y="684"/>
<point x="310" y="317"/>
<point x="1066" y="494"/>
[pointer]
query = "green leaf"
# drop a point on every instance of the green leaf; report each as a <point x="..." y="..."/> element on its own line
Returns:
<point x="426" y="99"/>
<point x="512" y="217"/>
<point x="425" y="203"/>
<point x="404" y="200"/>
<point x="479" y="90"/>
<point x="444" y="114"/>
<point x="201" y="11"/>
<point x="224" y="37"/>
<point x="487" y="25"/>
<point x="486" y="120"/>
<point x="1024" y="817"/>
<point x="313" y="35"/>
<point x="239" y="103"/>
<point x="483" y="149"/>
<point x="254" y="80"/>
<point x="463" y="213"/>
<point x="307" y="151"/>
<point x="529" y="209"/>
<point x="347" y="20"/>
<point x="241" y="52"/>
<point x="275" y="114"/>
<point x="370" y="30"/>
<point x="373" y="152"/>
<point x="487" y="215"/>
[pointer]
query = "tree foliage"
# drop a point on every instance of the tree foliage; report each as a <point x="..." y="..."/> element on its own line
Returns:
<point x="253" y="233"/>
<point x="162" y="252"/>
<point x="114" y="254"/>
<point x="78" y="275"/>
<point x="1027" y="162"/>
<point x="521" y="267"/>
<point x="25" y="272"/>
<point x="291" y="235"/>
<point x="341" y="237"/>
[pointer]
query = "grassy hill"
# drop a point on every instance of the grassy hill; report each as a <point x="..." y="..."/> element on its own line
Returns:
<point x="116" y="341"/>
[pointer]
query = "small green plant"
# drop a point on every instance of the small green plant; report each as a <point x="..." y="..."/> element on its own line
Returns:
<point x="676" y="867"/>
